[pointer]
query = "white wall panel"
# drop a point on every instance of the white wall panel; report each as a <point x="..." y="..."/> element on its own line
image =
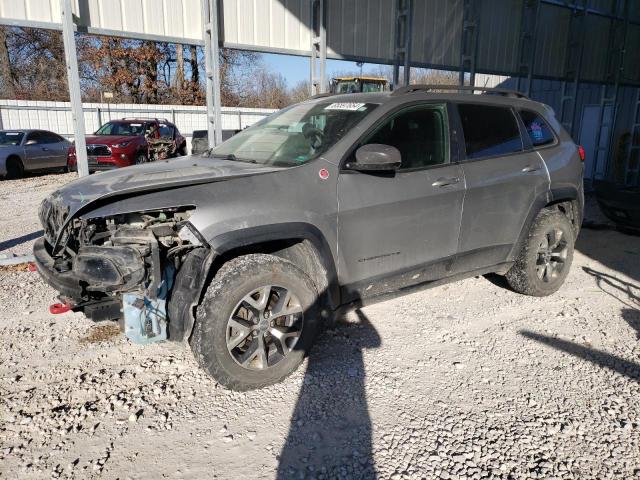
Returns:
<point x="56" y="116"/>
<point x="158" y="19"/>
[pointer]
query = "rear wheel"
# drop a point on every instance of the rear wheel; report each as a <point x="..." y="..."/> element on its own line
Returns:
<point x="545" y="259"/>
<point x="15" y="168"/>
<point x="256" y="322"/>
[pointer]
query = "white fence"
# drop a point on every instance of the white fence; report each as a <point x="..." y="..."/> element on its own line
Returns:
<point x="56" y="116"/>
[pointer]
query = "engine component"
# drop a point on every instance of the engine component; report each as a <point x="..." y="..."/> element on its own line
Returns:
<point x="145" y="318"/>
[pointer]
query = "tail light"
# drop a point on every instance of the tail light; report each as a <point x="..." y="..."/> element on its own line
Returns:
<point x="581" y="153"/>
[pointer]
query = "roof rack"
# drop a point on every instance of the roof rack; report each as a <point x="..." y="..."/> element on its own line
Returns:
<point x="467" y="88"/>
<point x="147" y="118"/>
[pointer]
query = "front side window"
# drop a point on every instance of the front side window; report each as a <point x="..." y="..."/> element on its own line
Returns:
<point x="538" y="130"/>
<point x="489" y="130"/>
<point x="419" y="133"/>
<point x="11" y="138"/>
<point x="294" y="135"/>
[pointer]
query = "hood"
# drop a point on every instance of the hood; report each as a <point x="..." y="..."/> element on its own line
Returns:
<point x="62" y="205"/>
<point x="108" y="139"/>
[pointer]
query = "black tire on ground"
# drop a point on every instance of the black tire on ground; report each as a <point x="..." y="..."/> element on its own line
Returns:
<point x="234" y="281"/>
<point x="141" y="158"/>
<point x="544" y="262"/>
<point x="182" y="151"/>
<point x="15" y="168"/>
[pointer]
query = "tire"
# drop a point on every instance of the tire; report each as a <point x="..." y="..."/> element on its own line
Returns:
<point x="213" y="337"/>
<point x="15" y="168"/>
<point x="182" y="151"/>
<point x="544" y="262"/>
<point x="141" y="158"/>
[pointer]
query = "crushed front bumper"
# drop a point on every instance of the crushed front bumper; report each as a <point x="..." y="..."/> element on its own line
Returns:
<point x="67" y="283"/>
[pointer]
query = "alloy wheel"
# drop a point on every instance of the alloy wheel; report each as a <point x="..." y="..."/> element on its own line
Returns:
<point x="552" y="255"/>
<point x="264" y="327"/>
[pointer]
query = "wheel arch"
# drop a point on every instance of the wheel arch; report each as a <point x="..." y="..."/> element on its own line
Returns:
<point x="301" y="243"/>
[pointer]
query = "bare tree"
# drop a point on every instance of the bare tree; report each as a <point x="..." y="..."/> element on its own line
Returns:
<point x="6" y="79"/>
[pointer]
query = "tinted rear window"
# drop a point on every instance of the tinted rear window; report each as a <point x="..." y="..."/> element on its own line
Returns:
<point x="489" y="130"/>
<point x="538" y="130"/>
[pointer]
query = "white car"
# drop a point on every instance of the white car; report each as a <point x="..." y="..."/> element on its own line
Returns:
<point x="31" y="151"/>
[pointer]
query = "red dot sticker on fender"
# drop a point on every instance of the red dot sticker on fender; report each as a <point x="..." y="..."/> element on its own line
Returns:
<point x="323" y="173"/>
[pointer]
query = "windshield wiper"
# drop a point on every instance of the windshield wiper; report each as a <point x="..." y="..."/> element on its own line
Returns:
<point x="231" y="156"/>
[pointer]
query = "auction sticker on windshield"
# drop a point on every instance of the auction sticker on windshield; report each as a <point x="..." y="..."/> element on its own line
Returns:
<point x="344" y="106"/>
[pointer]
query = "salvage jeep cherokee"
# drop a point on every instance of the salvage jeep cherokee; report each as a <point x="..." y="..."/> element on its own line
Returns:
<point x="245" y="251"/>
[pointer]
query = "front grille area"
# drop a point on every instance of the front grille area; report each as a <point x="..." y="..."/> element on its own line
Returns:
<point x="52" y="215"/>
<point x="98" y="151"/>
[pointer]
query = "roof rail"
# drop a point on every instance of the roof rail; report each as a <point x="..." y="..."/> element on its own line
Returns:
<point x="467" y="88"/>
<point x="321" y="95"/>
<point x="146" y="118"/>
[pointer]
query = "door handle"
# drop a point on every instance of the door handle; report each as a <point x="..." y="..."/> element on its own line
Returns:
<point x="45" y="149"/>
<point x="530" y="168"/>
<point x="443" y="182"/>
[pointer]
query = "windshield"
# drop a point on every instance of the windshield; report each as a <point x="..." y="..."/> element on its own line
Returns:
<point x="120" y="128"/>
<point x="294" y="135"/>
<point x="11" y="138"/>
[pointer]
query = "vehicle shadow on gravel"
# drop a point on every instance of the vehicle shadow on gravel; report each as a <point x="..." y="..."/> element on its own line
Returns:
<point x="626" y="293"/>
<point x="4" y="245"/>
<point x="615" y="250"/>
<point x="330" y="432"/>
<point x="603" y="359"/>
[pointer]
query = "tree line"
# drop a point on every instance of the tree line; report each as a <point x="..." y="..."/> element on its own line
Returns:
<point x="32" y="67"/>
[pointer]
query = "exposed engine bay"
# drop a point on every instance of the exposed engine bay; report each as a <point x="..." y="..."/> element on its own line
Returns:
<point x="125" y="266"/>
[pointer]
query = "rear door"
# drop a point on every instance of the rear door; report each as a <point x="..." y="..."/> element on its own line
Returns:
<point x="399" y="228"/>
<point x="504" y="178"/>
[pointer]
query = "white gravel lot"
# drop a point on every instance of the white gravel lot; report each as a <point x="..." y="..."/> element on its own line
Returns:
<point x="467" y="380"/>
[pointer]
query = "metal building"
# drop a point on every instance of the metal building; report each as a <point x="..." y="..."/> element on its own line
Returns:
<point x="580" y="56"/>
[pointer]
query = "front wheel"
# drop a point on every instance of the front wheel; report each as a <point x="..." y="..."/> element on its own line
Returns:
<point x="15" y="168"/>
<point x="141" y="158"/>
<point x="256" y="322"/>
<point x="545" y="259"/>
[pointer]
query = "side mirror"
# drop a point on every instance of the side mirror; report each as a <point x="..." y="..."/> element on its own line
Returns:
<point x="376" y="157"/>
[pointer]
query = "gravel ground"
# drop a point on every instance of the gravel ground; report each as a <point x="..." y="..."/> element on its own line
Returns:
<point x="467" y="380"/>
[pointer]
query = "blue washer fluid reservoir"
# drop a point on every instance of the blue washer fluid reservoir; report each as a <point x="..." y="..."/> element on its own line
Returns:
<point x="145" y="319"/>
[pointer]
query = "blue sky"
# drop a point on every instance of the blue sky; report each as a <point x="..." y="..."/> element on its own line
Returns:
<point x="296" y="69"/>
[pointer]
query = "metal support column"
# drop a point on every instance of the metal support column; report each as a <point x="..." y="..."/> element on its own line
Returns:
<point x="468" y="43"/>
<point x="318" y="48"/>
<point x="73" y="79"/>
<point x="573" y="66"/>
<point x="212" y="65"/>
<point x="528" y="41"/>
<point x="611" y="87"/>
<point x="402" y="47"/>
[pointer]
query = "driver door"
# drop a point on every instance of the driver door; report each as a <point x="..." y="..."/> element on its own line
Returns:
<point x="37" y="151"/>
<point x="401" y="228"/>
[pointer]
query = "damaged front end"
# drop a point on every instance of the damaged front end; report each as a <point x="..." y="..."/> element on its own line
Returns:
<point x="121" y="267"/>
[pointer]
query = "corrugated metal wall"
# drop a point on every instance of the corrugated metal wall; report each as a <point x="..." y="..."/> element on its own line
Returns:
<point x="359" y="29"/>
<point x="163" y="18"/>
<point x="272" y="25"/>
<point x="56" y="116"/>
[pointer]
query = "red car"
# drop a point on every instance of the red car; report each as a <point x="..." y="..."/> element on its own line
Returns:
<point x="121" y="143"/>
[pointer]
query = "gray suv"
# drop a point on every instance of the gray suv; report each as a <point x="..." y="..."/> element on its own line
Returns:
<point x="247" y="251"/>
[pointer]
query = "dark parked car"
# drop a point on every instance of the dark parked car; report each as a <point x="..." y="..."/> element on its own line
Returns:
<point x="131" y="141"/>
<point x="245" y="252"/>
<point x="31" y="151"/>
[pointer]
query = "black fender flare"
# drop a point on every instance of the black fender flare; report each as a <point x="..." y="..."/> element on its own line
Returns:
<point x="540" y="202"/>
<point x="246" y="237"/>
